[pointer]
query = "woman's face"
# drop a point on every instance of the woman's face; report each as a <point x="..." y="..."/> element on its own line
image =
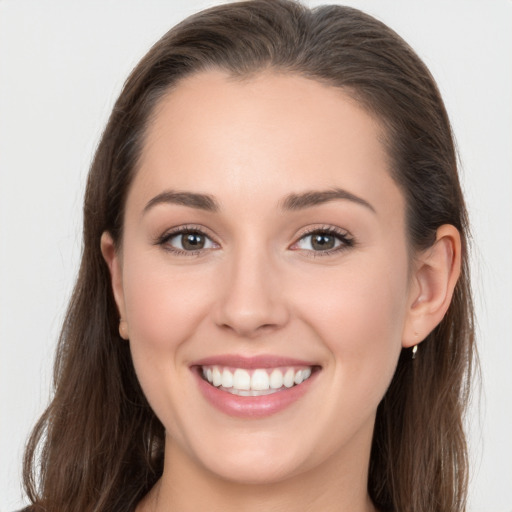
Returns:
<point x="264" y="243"/>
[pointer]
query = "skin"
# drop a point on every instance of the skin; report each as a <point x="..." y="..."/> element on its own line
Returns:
<point x="257" y="288"/>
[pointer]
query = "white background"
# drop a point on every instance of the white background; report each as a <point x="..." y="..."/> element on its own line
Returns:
<point x="62" y="64"/>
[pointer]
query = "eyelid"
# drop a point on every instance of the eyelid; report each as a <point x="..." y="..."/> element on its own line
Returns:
<point x="324" y="228"/>
<point x="347" y="240"/>
<point x="163" y="239"/>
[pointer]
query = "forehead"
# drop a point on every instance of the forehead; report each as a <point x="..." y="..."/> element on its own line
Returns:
<point x="261" y="138"/>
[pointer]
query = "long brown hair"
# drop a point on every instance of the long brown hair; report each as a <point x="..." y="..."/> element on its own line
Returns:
<point x="99" y="446"/>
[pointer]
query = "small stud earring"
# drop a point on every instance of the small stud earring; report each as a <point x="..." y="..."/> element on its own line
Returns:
<point x="414" y="350"/>
<point x="123" y="329"/>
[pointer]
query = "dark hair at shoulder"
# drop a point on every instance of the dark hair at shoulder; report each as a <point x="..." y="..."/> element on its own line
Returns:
<point x="99" y="446"/>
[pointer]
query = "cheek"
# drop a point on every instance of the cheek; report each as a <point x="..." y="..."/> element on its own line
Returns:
<point x="163" y="308"/>
<point x="163" y="304"/>
<point x="360" y="319"/>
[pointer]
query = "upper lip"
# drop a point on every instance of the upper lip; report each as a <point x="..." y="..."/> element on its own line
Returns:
<point x="252" y="362"/>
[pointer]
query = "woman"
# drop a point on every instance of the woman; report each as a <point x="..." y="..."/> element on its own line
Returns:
<point x="273" y="306"/>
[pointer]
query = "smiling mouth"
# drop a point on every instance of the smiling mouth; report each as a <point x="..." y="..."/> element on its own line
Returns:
<point x="257" y="382"/>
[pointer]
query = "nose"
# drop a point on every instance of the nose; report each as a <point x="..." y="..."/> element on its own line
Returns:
<point x="251" y="301"/>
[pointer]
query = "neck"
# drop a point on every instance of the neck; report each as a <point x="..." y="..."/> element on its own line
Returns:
<point x="339" y="484"/>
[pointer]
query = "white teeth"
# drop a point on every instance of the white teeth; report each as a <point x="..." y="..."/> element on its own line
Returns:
<point x="241" y="379"/>
<point x="276" y="379"/>
<point x="260" y="382"/>
<point x="216" y="377"/>
<point x="289" y="378"/>
<point x="302" y="375"/>
<point x="227" y="379"/>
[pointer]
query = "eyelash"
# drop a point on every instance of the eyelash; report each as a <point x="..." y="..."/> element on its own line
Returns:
<point x="343" y="236"/>
<point x="182" y="230"/>
<point x="347" y="241"/>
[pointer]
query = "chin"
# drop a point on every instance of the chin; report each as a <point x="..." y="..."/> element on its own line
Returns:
<point x="258" y="471"/>
<point x="255" y="458"/>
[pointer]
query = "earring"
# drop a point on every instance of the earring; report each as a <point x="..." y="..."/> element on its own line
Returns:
<point x="414" y="350"/>
<point x="123" y="329"/>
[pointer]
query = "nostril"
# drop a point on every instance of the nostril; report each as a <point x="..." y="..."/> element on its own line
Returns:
<point x="248" y="331"/>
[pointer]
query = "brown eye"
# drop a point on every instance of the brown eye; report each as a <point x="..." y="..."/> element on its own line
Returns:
<point x="192" y="241"/>
<point x="187" y="240"/>
<point x="322" y="241"/>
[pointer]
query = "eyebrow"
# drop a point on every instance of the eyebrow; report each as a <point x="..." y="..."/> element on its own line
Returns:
<point x="292" y="202"/>
<point x="190" y="199"/>
<point x="311" y="198"/>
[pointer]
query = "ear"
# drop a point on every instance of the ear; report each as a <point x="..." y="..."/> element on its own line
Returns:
<point x="435" y="275"/>
<point x="112" y="258"/>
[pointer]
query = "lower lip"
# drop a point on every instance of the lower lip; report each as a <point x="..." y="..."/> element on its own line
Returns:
<point x="252" y="406"/>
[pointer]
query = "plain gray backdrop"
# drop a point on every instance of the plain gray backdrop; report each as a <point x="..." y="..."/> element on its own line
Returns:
<point x="62" y="64"/>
